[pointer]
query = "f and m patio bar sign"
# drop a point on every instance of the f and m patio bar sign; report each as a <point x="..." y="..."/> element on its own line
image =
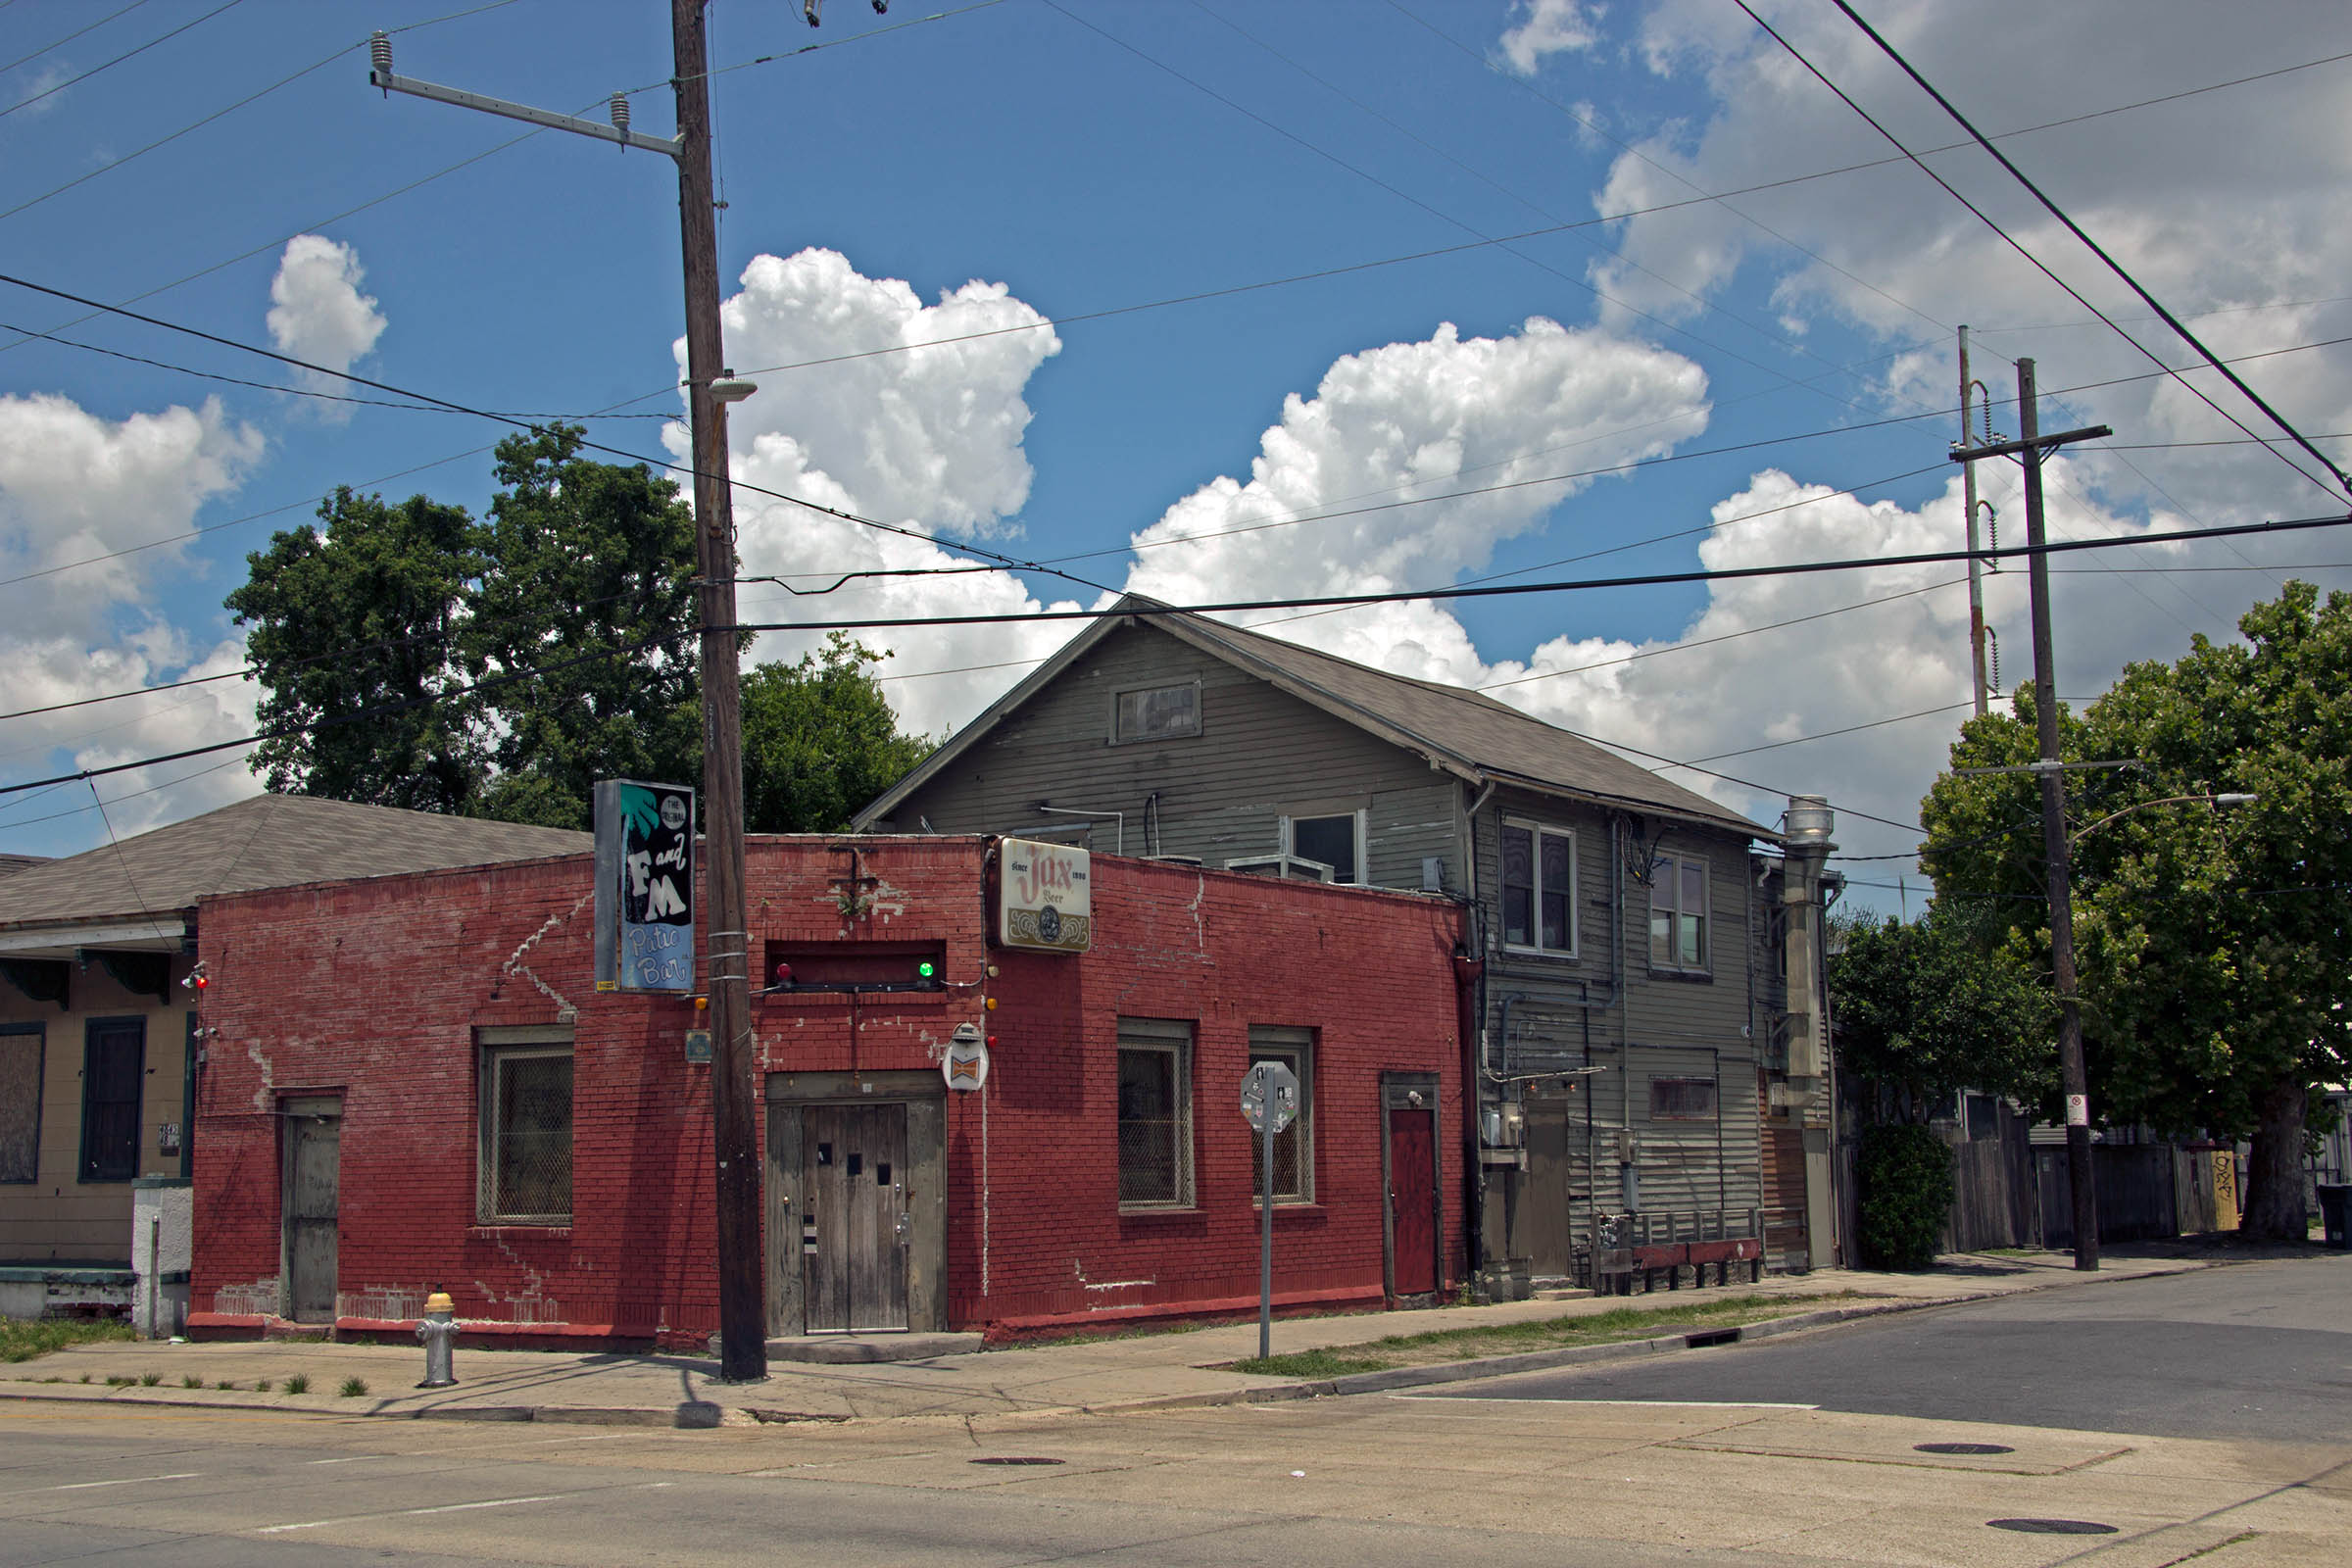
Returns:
<point x="644" y="886"/>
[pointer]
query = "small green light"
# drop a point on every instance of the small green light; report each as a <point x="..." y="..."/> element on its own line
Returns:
<point x="927" y="969"/>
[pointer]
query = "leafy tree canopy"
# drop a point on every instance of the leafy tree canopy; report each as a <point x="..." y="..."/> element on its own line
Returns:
<point x="2212" y="945"/>
<point x="506" y="665"/>
<point x="1930" y="1008"/>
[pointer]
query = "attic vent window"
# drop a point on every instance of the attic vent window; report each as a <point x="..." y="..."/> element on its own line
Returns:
<point x="1157" y="713"/>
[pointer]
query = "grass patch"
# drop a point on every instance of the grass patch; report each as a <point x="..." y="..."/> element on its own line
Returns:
<point x="353" y="1388"/>
<point x="259" y="1384"/>
<point x="116" y="1381"/>
<point x="224" y="1385"/>
<point x="299" y="1383"/>
<point x="148" y="1380"/>
<point x="22" y="1339"/>
<point x="191" y="1381"/>
<point x="1540" y="1334"/>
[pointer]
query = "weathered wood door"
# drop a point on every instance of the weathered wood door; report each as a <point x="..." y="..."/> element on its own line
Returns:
<point x="1413" y="1154"/>
<point x="856" y="1222"/>
<point x="313" y="1144"/>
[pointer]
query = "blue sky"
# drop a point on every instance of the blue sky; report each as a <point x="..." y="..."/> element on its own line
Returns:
<point x="1035" y="161"/>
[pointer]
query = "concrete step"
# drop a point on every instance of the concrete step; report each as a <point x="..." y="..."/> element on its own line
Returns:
<point x="847" y="1350"/>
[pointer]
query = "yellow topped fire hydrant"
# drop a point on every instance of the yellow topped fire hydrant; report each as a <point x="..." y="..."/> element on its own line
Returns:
<point x="439" y="1330"/>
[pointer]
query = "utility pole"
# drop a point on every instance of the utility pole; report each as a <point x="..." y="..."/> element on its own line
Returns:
<point x="2029" y="449"/>
<point x="1975" y="577"/>
<point x="742" y="1302"/>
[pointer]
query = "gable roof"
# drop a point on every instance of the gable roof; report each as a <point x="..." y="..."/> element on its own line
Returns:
<point x="1465" y="732"/>
<point x="268" y="841"/>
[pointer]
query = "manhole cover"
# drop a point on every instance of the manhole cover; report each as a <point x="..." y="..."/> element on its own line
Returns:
<point x="2052" y="1527"/>
<point x="1014" y="1458"/>
<point x="1962" y="1448"/>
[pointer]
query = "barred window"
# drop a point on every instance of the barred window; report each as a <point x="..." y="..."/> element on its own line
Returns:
<point x="114" y="1079"/>
<point x="526" y="1169"/>
<point x="1155" y="1113"/>
<point x="1682" y="1100"/>
<point x="1294" y="1144"/>
<point x="20" y="1052"/>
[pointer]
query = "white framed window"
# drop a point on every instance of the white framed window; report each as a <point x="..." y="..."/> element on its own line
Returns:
<point x="1336" y="840"/>
<point x="525" y="1171"/>
<point x="1678" y="914"/>
<point x="1538" y="888"/>
<point x="1155" y="1113"/>
<point x="1294" y="1144"/>
<point x="1156" y="713"/>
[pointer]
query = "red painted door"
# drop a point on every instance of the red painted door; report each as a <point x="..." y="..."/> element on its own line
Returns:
<point x="1413" y="1201"/>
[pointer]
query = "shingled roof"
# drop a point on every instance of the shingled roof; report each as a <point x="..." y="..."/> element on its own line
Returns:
<point x="268" y="841"/>
<point x="1466" y="732"/>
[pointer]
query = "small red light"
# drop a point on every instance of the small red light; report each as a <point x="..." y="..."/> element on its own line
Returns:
<point x="992" y="1042"/>
<point x="202" y="982"/>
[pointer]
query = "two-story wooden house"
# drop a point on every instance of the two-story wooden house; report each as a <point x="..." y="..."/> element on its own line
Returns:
<point x="1625" y="950"/>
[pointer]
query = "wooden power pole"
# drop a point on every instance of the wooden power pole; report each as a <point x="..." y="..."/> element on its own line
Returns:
<point x="2029" y="449"/>
<point x="735" y="1139"/>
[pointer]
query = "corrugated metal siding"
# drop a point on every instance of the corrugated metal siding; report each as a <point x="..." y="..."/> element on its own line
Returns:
<point x="1261" y="754"/>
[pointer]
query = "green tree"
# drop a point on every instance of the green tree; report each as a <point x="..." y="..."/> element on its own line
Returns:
<point x="582" y="558"/>
<point x="1931" y="1006"/>
<point x="2212" y="946"/>
<point x="581" y="584"/>
<point x="360" y="614"/>
<point x="820" y="740"/>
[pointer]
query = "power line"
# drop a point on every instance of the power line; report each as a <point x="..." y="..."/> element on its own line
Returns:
<point x="119" y="59"/>
<point x="2004" y="234"/>
<point x="71" y="36"/>
<point x="594" y="446"/>
<point x="2096" y="249"/>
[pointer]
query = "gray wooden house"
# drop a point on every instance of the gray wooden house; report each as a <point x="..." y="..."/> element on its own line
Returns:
<point x="1625" y="994"/>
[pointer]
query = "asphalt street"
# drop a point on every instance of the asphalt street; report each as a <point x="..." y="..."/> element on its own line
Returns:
<point x="2261" y="1351"/>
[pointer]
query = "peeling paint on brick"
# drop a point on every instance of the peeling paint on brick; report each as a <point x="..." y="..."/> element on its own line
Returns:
<point x="258" y="1298"/>
<point x="564" y="1011"/>
<point x="385" y="1303"/>
<point x="264" y="1092"/>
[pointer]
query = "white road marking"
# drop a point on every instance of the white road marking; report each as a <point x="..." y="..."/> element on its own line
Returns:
<point x="127" y="1480"/>
<point x="1647" y="1404"/>
<point x="356" y="1458"/>
<point x="403" y="1513"/>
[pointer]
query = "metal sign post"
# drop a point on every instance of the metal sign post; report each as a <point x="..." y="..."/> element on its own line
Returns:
<point x="1269" y="1104"/>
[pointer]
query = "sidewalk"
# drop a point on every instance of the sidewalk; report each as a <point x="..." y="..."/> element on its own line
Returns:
<point x="1087" y="1375"/>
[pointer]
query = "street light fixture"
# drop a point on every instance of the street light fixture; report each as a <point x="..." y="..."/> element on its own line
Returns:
<point x="2224" y="801"/>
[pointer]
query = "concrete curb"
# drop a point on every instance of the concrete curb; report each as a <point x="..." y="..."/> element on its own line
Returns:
<point x="701" y="1415"/>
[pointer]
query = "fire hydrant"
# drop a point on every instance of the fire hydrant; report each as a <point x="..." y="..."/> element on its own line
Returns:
<point x="439" y="1332"/>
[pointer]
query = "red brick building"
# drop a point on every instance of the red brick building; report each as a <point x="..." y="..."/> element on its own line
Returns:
<point x="413" y="1083"/>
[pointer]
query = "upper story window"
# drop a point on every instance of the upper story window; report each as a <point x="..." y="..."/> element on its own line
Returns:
<point x="1538" y="888"/>
<point x="1678" y="913"/>
<point x="1155" y="714"/>
<point x="1332" y="841"/>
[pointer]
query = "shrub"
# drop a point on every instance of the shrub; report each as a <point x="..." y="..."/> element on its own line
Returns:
<point x="1905" y="1179"/>
<point x="262" y="1385"/>
<point x="191" y="1381"/>
<point x="353" y="1388"/>
<point x="299" y="1383"/>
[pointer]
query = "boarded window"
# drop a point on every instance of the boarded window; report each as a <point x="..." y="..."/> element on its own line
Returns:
<point x="1682" y="1100"/>
<point x="113" y="1073"/>
<point x="527" y="1134"/>
<point x="1538" y="887"/>
<point x="1294" y="1144"/>
<point x="1678" y="913"/>
<point x="1158" y="713"/>
<point x="20" y="1052"/>
<point x="1155" y="1113"/>
<point x="1984" y="1118"/>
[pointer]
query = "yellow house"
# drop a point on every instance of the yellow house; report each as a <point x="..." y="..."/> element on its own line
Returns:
<point x="100" y="1045"/>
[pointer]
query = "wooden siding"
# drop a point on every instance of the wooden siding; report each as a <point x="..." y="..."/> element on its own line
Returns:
<point x="1663" y="1026"/>
<point x="1261" y="755"/>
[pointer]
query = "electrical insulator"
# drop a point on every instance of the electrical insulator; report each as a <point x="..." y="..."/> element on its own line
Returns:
<point x="379" y="53"/>
<point x="882" y="8"/>
<point x="621" y="113"/>
<point x="810" y="9"/>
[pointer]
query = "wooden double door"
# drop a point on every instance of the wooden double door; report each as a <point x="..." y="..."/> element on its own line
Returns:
<point x="856" y="1224"/>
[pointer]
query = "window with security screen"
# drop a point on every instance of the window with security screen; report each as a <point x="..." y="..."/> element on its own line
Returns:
<point x="1155" y="1113"/>
<point x="525" y="1176"/>
<point x="113" y="1078"/>
<point x="1294" y="1146"/>
<point x="21" y="1051"/>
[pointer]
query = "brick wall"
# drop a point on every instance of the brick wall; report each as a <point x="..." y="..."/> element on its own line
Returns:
<point x="374" y="989"/>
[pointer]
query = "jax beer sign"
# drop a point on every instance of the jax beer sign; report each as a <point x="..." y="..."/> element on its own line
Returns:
<point x="644" y="886"/>
<point x="1043" y="899"/>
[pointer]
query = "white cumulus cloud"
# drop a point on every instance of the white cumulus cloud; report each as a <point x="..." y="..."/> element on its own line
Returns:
<point x="316" y="312"/>
<point x="1542" y="27"/>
